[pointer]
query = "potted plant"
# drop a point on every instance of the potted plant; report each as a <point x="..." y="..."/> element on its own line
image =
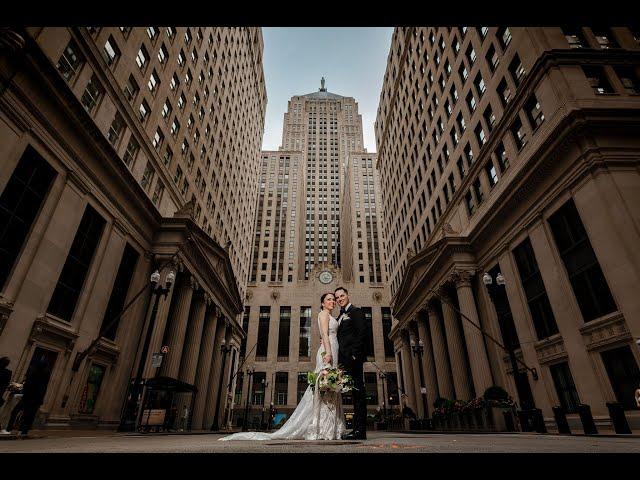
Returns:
<point x="498" y="402"/>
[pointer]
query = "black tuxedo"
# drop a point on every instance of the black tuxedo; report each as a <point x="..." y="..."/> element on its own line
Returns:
<point x="352" y="335"/>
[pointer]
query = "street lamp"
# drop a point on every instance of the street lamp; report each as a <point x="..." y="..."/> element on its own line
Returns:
<point x="418" y="350"/>
<point x="225" y="350"/>
<point x="383" y="377"/>
<point x="245" y="423"/>
<point x="265" y="384"/>
<point x="157" y="291"/>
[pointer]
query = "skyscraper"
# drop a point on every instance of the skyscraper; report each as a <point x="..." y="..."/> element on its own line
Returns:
<point x="126" y="150"/>
<point x="317" y="228"/>
<point x="516" y="150"/>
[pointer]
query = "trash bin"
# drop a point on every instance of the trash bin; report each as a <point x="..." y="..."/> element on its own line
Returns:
<point x="618" y="418"/>
<point x="586" y="418"/>
<point x="561" y="420"/>
<point x="525" y="421"/>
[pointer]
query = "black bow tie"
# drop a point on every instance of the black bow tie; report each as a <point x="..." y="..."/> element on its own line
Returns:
<point x="342" y="311"/>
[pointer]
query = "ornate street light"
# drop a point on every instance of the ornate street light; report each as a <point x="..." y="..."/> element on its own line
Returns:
<point x="225" y="350"/>
<point x="418" y="350"/>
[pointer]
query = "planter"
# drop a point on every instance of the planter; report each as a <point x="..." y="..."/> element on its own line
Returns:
<point x="496" y="418"/>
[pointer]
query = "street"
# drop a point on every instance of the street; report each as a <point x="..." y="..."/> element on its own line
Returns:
<point x="382" y="442"/>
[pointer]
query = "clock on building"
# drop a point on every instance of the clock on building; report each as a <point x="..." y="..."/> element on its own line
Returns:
<point x="326" y="277"/>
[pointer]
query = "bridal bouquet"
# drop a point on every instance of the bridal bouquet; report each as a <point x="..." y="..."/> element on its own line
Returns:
<point x="331" y="380"/>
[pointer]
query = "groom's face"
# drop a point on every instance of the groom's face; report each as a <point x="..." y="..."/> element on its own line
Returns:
<point x="342" y="298"/>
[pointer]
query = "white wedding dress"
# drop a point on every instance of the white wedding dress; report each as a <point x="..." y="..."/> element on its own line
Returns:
<point x="317" y="417"/>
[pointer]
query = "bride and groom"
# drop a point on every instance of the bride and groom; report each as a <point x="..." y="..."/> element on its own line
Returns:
<point x="320" y="417"/>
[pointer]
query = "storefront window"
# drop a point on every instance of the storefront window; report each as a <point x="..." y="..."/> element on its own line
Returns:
<point x="91" y="389"/>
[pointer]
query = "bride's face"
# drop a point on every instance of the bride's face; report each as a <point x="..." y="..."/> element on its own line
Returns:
<point x="329" y="302"/>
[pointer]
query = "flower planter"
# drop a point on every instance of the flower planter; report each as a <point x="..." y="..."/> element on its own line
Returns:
<point x="496" y="418"/>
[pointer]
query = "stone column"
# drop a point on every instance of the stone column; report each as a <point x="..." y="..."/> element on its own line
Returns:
<point x="456" y="350"/>
<point x="407" y="373"/>
<point x="441" y="360"/>
<point x="193" y="339"/>
<point x="415" y="367"/>
<point x="428" y="366"/>
<point x="178" y="328"/>
<point x="203" y="370"/>
<point x="478" y="359"/>
<point x="214" y="375"/>
<point x="164" y="304"/>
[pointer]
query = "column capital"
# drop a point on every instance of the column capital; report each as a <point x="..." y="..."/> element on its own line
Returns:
<point x="207" y="299"/>
<point x="462" y="278"/>
<point x="443" y="291"/>
<point x="193" y="283"/>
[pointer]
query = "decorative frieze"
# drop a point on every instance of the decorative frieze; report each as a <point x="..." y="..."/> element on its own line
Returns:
<point x="605" y="331"/>
<point x="550" y="349"/>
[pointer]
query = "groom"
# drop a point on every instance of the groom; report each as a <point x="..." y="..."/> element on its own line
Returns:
<point x="351" y="341"/>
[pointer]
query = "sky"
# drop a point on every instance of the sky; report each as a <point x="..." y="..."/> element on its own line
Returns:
<point x="352" y="61"/>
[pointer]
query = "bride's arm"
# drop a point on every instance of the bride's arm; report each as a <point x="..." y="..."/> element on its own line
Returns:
<point x="324" y="335"/>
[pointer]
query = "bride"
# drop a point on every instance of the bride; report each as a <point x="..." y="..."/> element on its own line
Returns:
<point x="317" y="417"/>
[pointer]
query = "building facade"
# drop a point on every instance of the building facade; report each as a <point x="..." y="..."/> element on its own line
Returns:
<point x="517" y="150"/>
<point x="125" y="151"/>
<point x="318" y="226"/>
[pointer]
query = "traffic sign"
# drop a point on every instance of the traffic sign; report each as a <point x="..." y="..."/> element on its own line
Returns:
<point x="164" y="349"/>
<point x="156" y="360"/>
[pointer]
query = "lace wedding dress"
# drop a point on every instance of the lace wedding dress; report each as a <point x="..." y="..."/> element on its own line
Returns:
<point x="317" y="416"/>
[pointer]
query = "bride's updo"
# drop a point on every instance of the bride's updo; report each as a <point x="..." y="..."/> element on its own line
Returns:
<point x="324" y="295"/>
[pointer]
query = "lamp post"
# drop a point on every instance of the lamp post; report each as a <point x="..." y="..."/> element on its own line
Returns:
<point x="225" y="350"/>
<point x="265" y="384"/>
<point x="418" y="350"/>
<point x="383" y="377"/>
<point x="157" y="291"/>
<point x="245" y="423"/>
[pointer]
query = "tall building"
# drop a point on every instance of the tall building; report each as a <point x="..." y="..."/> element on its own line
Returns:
<point x="514" y="151"/>
<point x="126" y="150"/>
<point x="317" y="228"/>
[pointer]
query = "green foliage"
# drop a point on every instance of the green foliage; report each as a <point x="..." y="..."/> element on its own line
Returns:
<point x="496" y="393"/>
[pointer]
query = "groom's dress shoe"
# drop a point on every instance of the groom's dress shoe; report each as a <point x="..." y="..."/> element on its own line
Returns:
<point x="355" y="436"/>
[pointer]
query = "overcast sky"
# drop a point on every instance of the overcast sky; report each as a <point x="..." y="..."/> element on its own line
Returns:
<point x="352" y="61"/>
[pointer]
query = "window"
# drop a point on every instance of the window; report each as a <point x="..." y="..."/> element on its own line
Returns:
<point x="152" y="32"/>
<point x="171" y="33"/>
<point x="154" y="81"/>
<point x="461" y="168"/>
<point x="605" y="38"/>
<point x="67" y="291"/>
<point x="91" y="389"/>
<point x="111" y="52"/>
<point x="493" y="58"/>
<point x="392" y="388"/>
<point x="471" y="101"/>
<point x="492" y="173"/>
<point x="163" y="54"/>
<point x="483" y="32"/>
<point x="454" y="93"/>
<point x="20" y="202"/>
<point x="302" y="386"/>
<point x="70" y="61"/>
<point x="565" y="388"/>
<point x="305" y="332"/>
<point x="263" y="332"/>
<point x="516" y="69"/>
<point x="480" y="86"/>
<point x="469" y="154"/>
<point x="461" y="123"/>
<point x="489" y="117"/>
<point x="480" y="136"/>
<point x="471" y="55"/>
<point x="504" y="91"/>
<point x="386" y="328"/>
<point x="175" y="83"/>
<point x="597" y="78"/>
<point x="181" y="58"/>
<point x="119" y="292"/>
<point x="371" y="387"/>
<point x="147" y="176"/>
<point x="574" y="37"/>
<point x="544" y="321"/>
<point x="586" y="277"/>
<point x="284" y="332"/>
<point x="142" y="58"/>
<point x="188" y="77"/>
<point x="368" y="322"/>
<point x="501" y="155"/>
<point x="281" y="386"/>
<point x="125" y="31"/>
<point x="187" y="36"/>
<point x="168" y="155"/>
<point x="131" y="152"/>
<point x="629" y="79"/>
<point x="519" y="135"/>
<point x="534" y="112"/>
<point x="181" y="101"/>
<point x="623" y="374"/>
<point x="471" y="206"/>
<point x="157" y="193"/>
<point x="92" y="94"/>
<point x="166" y="109"/>
<point x="175" y="127"/>
<point x="463" y="71"/>
<point x="477" y="188"/>
<point x="158" y="138"/>
<point x="116" y="129"/>
<point x="504" y="36"/>
<point x="504" y="315"/>
<point x="144" y="111"/>
<point x="131" y="88"/>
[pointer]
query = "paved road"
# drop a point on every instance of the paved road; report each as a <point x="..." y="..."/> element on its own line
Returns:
<point x="384" y="442"/>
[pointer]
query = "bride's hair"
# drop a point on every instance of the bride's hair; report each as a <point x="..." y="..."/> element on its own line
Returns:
<point x="324" y="295"/>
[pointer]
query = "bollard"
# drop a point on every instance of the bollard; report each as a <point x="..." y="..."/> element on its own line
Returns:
<point x="586" y="418"/>
<point x="618" y="418"/>
<point x="561" y="420"/>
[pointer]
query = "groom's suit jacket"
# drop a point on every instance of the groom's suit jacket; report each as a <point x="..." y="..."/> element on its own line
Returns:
<point x="352" y="335"/>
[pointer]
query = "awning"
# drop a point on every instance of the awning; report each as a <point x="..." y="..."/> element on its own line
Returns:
<point x="170" y="384"/>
